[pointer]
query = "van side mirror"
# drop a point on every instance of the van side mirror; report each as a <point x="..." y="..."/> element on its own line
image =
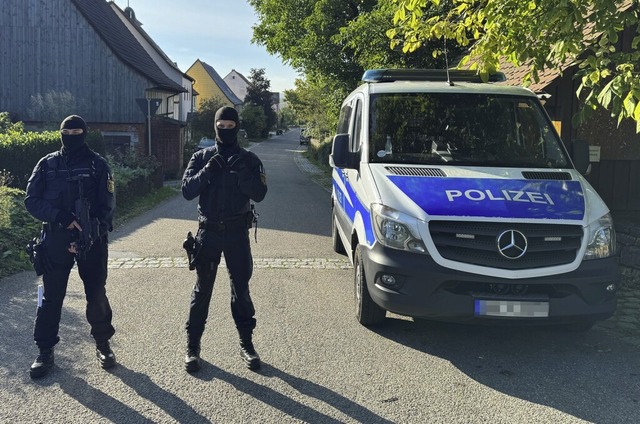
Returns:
<point x="580" y="156"/>
<point x="340" y="156"/>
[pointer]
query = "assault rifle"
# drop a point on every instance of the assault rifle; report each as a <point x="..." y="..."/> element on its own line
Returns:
<point x="89" y="233"/>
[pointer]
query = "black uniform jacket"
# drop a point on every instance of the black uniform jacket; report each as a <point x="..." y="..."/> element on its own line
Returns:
<point x="52" y="187"/>
<point x="226" y="193"/>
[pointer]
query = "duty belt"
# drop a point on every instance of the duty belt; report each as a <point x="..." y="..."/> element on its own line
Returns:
<point x="52" y="227"/>
<point x="233" y="224"/>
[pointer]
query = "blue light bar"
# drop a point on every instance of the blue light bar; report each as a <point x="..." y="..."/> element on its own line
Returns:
<point x="390" y="75"/>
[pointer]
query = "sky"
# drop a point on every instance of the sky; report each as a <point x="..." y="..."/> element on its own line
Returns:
<point x="217" y="32"/>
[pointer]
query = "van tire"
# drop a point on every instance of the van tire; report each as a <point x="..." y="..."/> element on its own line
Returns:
<point x="367" y="311"/>
<point x="338" y="247"/>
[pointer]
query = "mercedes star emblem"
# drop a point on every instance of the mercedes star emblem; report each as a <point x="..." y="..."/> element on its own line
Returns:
<point x="512" y="244"/>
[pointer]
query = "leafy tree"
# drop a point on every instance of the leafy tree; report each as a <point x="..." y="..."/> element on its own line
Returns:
<point x="543" y="34"/>
<point x="258" y="94"/>
<point x="286" y="117"/>
<point x="332" y="43"/>
<point x="253" y="120"/>
<point x="202" y="123"/>
<point x="316" y="102"/>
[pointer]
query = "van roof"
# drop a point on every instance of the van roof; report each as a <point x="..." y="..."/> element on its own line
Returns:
<point x="379" y="81"/>
<point x="443" y="87"/>
<point x="443" y="75"/>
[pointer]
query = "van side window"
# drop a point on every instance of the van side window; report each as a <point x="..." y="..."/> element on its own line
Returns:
<point x="343" y="119"/>
<point x="357" y="127"/>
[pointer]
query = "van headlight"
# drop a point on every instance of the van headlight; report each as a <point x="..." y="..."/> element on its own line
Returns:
<point x="396" y="230"/>
<point x="601" y="237"/>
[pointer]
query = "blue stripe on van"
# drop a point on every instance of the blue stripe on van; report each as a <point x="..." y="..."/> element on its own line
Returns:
<point x="357" y="206"/>
<point x="495" y="198"/>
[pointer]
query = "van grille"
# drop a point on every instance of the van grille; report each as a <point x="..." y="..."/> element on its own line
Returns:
<point x="416" y="172"/>
<point x="476" y="243"/>
<point x="563" y="176"/>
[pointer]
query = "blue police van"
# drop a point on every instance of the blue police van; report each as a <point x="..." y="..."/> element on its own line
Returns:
<point x="455" y="199"/>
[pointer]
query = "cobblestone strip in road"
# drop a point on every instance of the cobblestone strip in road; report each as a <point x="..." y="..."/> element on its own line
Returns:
<point x="275" y="263"/>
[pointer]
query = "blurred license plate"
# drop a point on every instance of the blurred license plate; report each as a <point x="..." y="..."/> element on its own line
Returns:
<point x="511" y="308"/>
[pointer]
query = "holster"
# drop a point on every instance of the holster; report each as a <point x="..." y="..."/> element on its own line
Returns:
<point x="38" y="256"/>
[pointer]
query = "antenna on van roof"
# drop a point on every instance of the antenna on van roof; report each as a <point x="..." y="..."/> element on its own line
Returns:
<point x="446" y="62"/>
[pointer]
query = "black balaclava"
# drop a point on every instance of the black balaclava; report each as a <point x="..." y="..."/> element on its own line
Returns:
<point x="227" y="138"/>
<point x="73" y="143"/>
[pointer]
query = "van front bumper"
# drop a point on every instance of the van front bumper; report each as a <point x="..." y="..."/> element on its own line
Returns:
<point x="425" y="289"/>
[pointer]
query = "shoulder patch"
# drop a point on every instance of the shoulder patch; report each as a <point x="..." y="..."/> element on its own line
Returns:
<point x="111" y="184"/>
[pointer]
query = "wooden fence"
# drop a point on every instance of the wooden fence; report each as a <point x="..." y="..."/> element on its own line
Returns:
<point x="618" y="183"/>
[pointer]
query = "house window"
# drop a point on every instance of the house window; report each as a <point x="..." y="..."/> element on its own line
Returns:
<point x="120" y="142"/>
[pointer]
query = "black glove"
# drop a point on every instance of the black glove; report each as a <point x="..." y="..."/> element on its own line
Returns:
<point x="235" y="162"/>
<point x="65" y="218"/>
<point x="215" y="164"/>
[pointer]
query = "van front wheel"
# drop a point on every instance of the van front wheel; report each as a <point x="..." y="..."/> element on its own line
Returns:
<point x="367" y="311"/>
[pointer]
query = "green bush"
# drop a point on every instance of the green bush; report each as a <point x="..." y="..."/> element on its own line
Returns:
<point x="320" y="151"/>
<point x="21" y="151"/>
<point x="17" y="227"/>
<point x="135" y="176"/>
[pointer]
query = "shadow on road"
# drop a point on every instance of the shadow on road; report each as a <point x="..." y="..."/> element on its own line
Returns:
<point x="96" y="400"/>
<point x="167" y="401"/>
<point x="575" y="373"/>
<point x="285" y="403"/>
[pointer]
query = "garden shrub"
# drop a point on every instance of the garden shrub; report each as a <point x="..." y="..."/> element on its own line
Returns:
<point x="21" y="151"/>
<point x="17" y="227"/>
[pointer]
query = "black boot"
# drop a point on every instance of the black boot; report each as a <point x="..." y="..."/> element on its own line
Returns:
<point x="42" y="364"/>
<point x="105" y="355"/>
<point x="192" y="359"/>
<point x="249" y="355"/>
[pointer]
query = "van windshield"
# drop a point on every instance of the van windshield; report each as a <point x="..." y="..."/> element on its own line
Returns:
<point x="462" y="129"/>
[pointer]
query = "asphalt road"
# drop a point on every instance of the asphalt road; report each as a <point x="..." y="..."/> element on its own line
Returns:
<point x="319" y="364"/>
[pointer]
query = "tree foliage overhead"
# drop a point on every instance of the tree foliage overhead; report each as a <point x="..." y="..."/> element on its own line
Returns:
<point x="258" y="94"/>
<point x="542" y="34"/>
<point x="332" y="43"/>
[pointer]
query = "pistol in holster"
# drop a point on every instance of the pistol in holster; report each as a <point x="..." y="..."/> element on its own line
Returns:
<point x="37" y="255"/>
<point x="189" y="246"/>
<point x="252" y="220"/>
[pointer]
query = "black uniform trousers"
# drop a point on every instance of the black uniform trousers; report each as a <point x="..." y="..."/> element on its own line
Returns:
<point x="212" y="244"/>
<point x="93" y="272"/>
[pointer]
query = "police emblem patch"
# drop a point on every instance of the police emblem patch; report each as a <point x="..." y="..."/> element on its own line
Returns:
<point x="111" y="185"/>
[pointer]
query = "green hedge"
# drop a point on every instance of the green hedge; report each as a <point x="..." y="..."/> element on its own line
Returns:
<point x="17" y="227"/>
<point x="21" y="151"/>
<point x="320" y="151"/>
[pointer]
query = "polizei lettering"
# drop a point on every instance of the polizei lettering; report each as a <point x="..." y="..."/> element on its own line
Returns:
<point x="501" y="195"/>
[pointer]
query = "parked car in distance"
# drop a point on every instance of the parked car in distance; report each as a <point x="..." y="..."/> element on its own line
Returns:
<point x="304" y="136"/>
<point x="204" y="143"/>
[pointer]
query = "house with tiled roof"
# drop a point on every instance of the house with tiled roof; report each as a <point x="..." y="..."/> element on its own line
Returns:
<point x="81" y="50"/>
<point x="615" y="150"/>
<point x="210" y="85"/>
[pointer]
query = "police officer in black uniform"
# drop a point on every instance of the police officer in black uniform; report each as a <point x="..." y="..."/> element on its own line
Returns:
<point x="52" y="191"/>
<point x="226" y="178"/>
